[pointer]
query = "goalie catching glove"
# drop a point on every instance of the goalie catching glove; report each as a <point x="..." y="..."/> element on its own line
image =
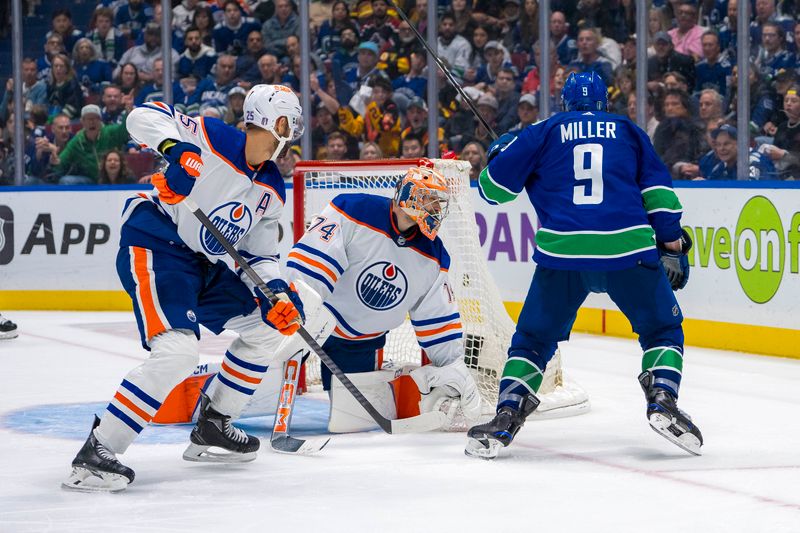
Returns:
<point x="286" y="315"/>
<point x="457" y="379"/>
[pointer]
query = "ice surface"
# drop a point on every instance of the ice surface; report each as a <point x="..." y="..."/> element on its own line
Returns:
<point x="604" y="471"/>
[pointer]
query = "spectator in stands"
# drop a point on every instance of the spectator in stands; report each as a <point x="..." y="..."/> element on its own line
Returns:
<point x="628" y="54"/>
<point x="714" y="70"/>
<point x="142" y="56"/>
<point x="462" y="121"/>
<point x="675" y="80"/>
<point x="365" y="69"/>
<point x="114" y="170"/>
<point x="566" y="47"/>
<point x="497" y="58"/>
<point x="109" y="41"/>
<point x="480" y="38"/>
<point x="398" y="58"/>
<point x="213" y="92"/>
<point x="727" y="31"/>
<point x="281" y="25"/>
<point x="475" y="153"/>
<point x="329" y="34"/>
<point x="417" y="122"/>
<point x="292" y="49"/>
<point x="531" y="82"/>
<point x="197" y="58"/>
<point x="380" y="120"/>
<point x="771" y="105"/>
<point x="183" y="14"/>
<point x="657" y="21"/>
<point x="204" y="21"/>
<point x="411" y="147"/>
<point x="370" y="151"/>
<point x="678" y="139"/>
<point x="609" y="18"/>
<point x="61" y="20"/>
<point x="686" y="36"/>
<point x="52" y="47"/>
<point x="765" y="13"/>
<point x="524" y="25"/>
<point x="345" y="59"/>
<point x="710" y="105"/>
<point x="79" y="160"/>
<point x="286" y="163"/>
<point x="462" y="14"/>
<point x="527" y="111"/>
<point x="772" y="55"/>
<point x="43" y="149"/>
<point x="235" y="110"/>
<point x="720" y="163"/>
<point x="128" y="79"/>
<point x="624" y="84"/>
<point x="230" y="35"/>
<point x="414" y="83"/>
<point x="785" y="150"/>
<point x="154" y="91"/>
<point x="247" y="63"/>
<point x="666" y="59"/>
<point x="113" y="110"/>
<point x="131" y="17"/>
<point x="91" y="71"/>
<point x="589" y="59"/>
<point x="487" y="107"/>
<point x="60" y="92"/>
<point x="29" y="79"/>
<point x="454" y="49"/>
<point x="336" y="146"/>
<point x="507" y="99"/>
<point x="269" y="70"/>
<point x="381" y="28"/>
<point x="652" y="121"/>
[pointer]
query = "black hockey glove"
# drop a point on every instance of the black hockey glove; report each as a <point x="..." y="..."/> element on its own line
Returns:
<point x="497" y="146"/>
<point x="676" y="264"/>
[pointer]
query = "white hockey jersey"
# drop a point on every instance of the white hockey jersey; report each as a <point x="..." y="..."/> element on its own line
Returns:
<point x="370" y="277"/>
<point x="243" y="202"/>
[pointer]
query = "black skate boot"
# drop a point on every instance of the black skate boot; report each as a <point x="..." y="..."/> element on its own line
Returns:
<point x="215" y="430"/>
<point x="8" y="330"/>
<point x="485" y="440"/>
<point x="667" y="420"/>
<point x="96" y="468"/>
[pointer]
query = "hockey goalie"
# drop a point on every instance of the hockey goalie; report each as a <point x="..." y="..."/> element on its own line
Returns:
<point x="365" y="263"/>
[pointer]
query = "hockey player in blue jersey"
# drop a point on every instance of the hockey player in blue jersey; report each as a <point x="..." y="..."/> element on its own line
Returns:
<point x="608" y="214"/>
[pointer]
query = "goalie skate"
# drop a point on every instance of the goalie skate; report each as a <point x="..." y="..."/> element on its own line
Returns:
<point x="667" y="420"/>
<point x="97" y="469"/>
<point x="215" y="439"/>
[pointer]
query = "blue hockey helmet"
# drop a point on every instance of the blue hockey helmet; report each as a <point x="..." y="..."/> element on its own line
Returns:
<point x="584" y="91"/>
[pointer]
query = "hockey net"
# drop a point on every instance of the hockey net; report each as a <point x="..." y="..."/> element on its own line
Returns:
<point x="486" y="325"/>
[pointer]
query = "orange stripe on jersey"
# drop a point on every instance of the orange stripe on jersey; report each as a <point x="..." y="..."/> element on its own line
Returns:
<point x="132" y="406"/>
<point x="152" y="322"/>
<point x="243" y="377"/>
<point x="429" y="332"/>
<point x="341" y="333"/>
<point x="305" y="259"/>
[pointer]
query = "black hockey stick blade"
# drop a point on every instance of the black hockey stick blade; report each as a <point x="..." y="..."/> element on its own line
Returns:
<point x="291" y="445"/>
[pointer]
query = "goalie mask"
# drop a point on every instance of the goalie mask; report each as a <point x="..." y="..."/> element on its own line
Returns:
<point x="265" y="104"/>
<point x="422" y="194"/>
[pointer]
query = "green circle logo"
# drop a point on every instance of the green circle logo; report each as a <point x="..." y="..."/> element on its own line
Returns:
<point x="759" y="249"/>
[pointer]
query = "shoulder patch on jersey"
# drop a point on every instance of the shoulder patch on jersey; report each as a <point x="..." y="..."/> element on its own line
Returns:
<point x="270" y="176"/>
<point x="226" y="142"/>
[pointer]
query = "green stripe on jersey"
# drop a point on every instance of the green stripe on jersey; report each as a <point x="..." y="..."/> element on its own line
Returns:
<point x="523" y="370"/>
<point x="595" y="244"/>
<point x="492" y="190"/>
<point x="662" y="356"/>
<point x="661" y="199"/>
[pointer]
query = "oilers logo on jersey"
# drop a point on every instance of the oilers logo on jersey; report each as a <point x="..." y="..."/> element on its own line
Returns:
<point x="233" y="220"/>
<point x="382" y="286"/>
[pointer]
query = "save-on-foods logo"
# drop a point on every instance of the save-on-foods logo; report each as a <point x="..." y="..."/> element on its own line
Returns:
<point x="758" y="248"/>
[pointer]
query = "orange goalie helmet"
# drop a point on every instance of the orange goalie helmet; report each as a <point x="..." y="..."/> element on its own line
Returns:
<point x="422" y="194"/>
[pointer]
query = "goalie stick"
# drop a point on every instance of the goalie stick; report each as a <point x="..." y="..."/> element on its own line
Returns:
<point x="424" y="422"/>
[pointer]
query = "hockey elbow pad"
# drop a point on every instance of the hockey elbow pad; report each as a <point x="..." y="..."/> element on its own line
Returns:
<point x="676" y="264"/>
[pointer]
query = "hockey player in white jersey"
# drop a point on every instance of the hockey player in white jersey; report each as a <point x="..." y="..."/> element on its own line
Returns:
<point x="170" y="266"/>
<point x="374" y="260"/>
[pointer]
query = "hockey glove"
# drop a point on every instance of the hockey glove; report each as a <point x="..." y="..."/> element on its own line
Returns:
<point x="286" y="315"/>
<point x="184" y="167"/>
<point x="456" y="376"/>
<point x="676" y="264"/>
<point x="497" y="146"/>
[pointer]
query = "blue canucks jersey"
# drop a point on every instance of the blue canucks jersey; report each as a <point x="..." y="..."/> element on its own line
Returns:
<point x="600" y="191"/>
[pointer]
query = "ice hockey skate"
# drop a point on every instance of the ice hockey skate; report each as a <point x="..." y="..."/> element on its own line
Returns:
<point x="97" y="469"/>
<point x="485" y="440"/>
<point x="8" y="330"/>
<point x="667" y="420"/>
<point x="216" y="440"/>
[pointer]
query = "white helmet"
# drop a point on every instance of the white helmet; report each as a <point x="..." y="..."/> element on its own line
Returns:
<point x="264" y="104"/>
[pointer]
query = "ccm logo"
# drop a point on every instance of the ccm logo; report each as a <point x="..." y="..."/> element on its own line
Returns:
<point x="286" y="397"/>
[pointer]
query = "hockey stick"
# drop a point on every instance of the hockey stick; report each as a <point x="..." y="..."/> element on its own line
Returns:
<point x="281" y="441"/>
<point x="423" y="422"/>
<point x="445" y="70"/>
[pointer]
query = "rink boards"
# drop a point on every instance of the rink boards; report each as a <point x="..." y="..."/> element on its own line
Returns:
<point x="58" y="248"/>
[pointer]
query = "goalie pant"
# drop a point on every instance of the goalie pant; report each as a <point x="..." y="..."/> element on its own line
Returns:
<point x="171" y="269"/>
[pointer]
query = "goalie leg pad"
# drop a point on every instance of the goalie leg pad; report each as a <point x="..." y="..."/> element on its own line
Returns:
<point x="347" y="415"/>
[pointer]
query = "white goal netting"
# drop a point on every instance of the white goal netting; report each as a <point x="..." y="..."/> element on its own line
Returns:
<point x="486" y="325"/>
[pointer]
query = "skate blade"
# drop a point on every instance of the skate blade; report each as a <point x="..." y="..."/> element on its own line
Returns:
<point x="85" y="480"/>
<point x="9" y="335"/>
<point x="482" y="449"/>
<point x="688" y="442"/>
<point x="294" y="446"/>
<point x="200" y="453"/>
